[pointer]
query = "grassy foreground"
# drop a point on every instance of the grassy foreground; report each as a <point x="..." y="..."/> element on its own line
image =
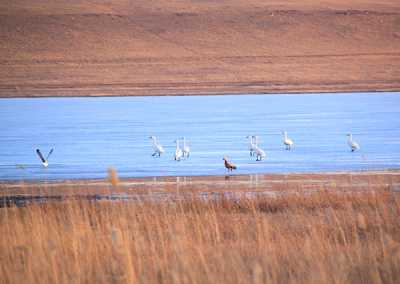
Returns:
<point x="319" y="237"/>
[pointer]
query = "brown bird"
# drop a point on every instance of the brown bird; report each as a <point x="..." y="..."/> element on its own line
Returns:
<point x="229" y="164"/>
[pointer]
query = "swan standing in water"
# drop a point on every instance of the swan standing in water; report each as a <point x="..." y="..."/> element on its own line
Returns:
<point x="45" y="162"/>
<point x="158" y="149"/>
<point x="287" y="141"/>
<point x="251" y="145"/>
<point x="260" y="153"/>
<point x="228" y="164"/>
<point x="186" y="148"/>
<point x="178" y="151"/>
<point x="352" y="144"/>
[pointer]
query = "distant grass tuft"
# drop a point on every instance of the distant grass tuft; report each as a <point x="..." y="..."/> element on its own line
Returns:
<point x="113" y="176"/>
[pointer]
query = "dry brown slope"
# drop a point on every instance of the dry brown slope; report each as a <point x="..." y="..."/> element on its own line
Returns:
<point x="198" y="47"/>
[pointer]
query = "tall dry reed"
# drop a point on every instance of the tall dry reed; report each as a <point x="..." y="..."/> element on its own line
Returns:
<point x="321" y="237"/>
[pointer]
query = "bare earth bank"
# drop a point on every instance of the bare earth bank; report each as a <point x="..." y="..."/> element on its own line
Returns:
<point x="71" y="48"/>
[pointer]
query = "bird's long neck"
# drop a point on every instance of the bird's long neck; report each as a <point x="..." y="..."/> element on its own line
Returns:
<point x="350" y="137"/>
<point x="285" y="135"/>
<point x="177" y="144"/>
<point x="252" y="141"/>
<point x="256" y="140"/>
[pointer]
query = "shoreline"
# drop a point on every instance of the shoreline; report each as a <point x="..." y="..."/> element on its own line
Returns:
<point x="166" y="188"/>
<point x="311" y="92"/>
<point x="201" y="177"/>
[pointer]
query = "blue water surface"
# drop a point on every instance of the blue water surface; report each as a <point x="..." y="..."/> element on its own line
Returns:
<point x="91" y="134"/>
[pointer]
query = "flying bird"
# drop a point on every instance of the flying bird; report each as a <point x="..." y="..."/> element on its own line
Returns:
<point x="186" y="148"/>
<point x="45" y="162"/>
<point x="287" y="141"/>
<point x="158" y="149"/>
<point x="352" y="144"/>
<point x="178" y="151"/>
<point x="228" y="164"/>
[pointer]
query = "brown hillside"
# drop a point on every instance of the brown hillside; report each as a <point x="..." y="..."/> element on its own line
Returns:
<point x="197" y="47"/>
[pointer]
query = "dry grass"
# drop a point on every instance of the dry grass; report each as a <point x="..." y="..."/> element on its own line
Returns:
<point x="320" y="237"/>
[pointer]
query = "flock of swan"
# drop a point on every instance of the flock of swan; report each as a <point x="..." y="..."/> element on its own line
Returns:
<point x="180" y="153"/>
<point x="184" y="151"/>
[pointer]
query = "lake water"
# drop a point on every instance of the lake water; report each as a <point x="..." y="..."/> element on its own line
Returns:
<point x="91" y="134"/>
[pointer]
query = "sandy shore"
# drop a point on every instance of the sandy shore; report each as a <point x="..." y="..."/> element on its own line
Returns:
<point x="124" y="48"/>
<point x="206" y="186"/>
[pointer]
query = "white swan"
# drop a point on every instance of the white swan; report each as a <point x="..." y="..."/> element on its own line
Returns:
<point x="45" y="162"/>
<point x="251" y="145"/>
<point x="186" y="148"/>
<point x="178" y="151"/>
<point x="158" y="149"/>
<point x="287" y="141"/>
<point x="260" y="153"/>
<point x="352" y="144"/>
